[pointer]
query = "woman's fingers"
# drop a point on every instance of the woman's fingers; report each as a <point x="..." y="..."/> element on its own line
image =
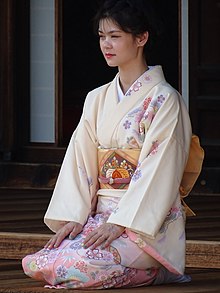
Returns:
<point x="75" y="231"/>
<point x="55" y="241"/>
<point x="104" y="235"/>
<point x="72" y="229"/>
<point x="94" y="240"/>
<point x="47" y="245"/>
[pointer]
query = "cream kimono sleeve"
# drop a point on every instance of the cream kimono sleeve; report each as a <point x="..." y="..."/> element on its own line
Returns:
<point x="76" y="185"/>
<point x="155" y="184"/>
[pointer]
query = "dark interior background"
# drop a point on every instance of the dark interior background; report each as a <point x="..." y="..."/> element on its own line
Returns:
<point x="84" y="67"/>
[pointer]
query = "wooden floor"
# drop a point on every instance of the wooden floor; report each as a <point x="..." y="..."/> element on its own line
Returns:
<point x="22" y="212"/>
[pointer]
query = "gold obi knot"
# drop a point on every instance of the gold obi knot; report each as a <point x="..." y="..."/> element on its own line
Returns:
<point x="191" y="172"/>
<point x="116" y="167"/>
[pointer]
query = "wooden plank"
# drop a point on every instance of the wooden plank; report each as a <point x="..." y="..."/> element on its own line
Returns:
<point x="203" y="254"/>
<point x="17" y="245"/>
<point x="199" y="254"/>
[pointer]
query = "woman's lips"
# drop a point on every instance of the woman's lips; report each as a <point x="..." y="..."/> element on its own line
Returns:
<point x="108" y="55"/>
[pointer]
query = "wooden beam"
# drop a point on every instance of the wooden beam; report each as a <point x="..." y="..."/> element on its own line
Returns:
<point x="199" y="254"/>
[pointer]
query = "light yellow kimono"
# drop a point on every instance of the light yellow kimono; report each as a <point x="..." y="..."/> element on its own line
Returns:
<point x="153" y="118"/>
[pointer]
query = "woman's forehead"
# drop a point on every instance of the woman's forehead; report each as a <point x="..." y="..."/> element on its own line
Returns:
<point x="108" y="25"/>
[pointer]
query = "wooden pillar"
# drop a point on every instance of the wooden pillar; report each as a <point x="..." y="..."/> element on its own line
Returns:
<point x="7" y="118"/>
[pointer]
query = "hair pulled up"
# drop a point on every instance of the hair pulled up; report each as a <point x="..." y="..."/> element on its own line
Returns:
<point x="132" y="16"/>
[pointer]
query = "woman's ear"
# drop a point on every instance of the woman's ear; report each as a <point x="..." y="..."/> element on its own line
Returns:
<point x="142" y="39"/>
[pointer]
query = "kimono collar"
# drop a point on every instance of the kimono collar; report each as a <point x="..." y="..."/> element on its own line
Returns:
<point x="146" y="76"/>
<point x="115" y="110"/>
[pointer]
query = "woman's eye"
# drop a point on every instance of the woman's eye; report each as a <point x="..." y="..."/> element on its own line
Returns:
<point x="101" y="37"/>
<point x="115" y="37"/>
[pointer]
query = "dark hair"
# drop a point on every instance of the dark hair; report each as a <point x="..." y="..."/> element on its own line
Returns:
<point x="132" y="16"/>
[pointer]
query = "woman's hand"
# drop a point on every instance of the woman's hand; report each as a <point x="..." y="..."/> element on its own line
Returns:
<point x="104" y="235"/>
<point x="71" y="228"/>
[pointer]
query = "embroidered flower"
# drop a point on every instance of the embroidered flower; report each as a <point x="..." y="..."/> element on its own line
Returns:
<point x="61" y="271"/>
<point x="127" y="124"/>
<point x="42" y="261"/>
<point x="161" y="99"/>
<point x="115" y="278"/>
<point x="146" y="103"/>
<point x="137" y="86"/>
<point x="81" y="266"/>
<point x="137" y="175"/>
<point x="140" y="242"/>
<point x="94" y="254"/>
<point x="147" y="78"/>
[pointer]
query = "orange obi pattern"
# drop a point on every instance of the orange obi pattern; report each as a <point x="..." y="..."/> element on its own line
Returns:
<point x="116" y="167"/>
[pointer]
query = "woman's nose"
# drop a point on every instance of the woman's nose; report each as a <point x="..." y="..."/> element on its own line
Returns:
<point x="107" y="44"/>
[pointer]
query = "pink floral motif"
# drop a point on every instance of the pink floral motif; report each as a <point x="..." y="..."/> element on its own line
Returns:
<point x="81" y="266"/>
<point x="94" y="254"/>
<point x="116" y="278"/>
<point x="146" y="103"/>
<point x="42" y="260"/>
<point x="147" y="78"/>
<point x="136" y="86"/>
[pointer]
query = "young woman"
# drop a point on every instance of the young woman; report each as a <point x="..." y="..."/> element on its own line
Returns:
<point x="116" y="209"/>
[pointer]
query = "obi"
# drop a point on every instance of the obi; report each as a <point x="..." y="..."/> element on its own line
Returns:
<point x="116" y="167"/>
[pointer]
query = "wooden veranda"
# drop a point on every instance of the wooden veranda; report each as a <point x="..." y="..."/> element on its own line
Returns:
<point x="23" y="232"/>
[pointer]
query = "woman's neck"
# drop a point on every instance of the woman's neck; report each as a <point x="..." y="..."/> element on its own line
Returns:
<point x="128" y="76"/>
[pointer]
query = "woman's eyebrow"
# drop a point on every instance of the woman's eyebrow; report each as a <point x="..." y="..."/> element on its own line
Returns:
<point x="110" y="32"/>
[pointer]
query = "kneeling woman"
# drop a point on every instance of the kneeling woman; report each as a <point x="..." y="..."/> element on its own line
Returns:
<point x="116" y="209"/>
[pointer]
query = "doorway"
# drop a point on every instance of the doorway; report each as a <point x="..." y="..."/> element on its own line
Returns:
<point x="205" y="76"/>
<point x="84" y="68"/>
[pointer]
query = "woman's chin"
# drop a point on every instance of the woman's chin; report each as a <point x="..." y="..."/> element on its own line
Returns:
<point x="110" y="64"/>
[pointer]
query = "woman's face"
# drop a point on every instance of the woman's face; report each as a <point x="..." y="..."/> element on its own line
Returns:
<point x="118" y="47"/>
